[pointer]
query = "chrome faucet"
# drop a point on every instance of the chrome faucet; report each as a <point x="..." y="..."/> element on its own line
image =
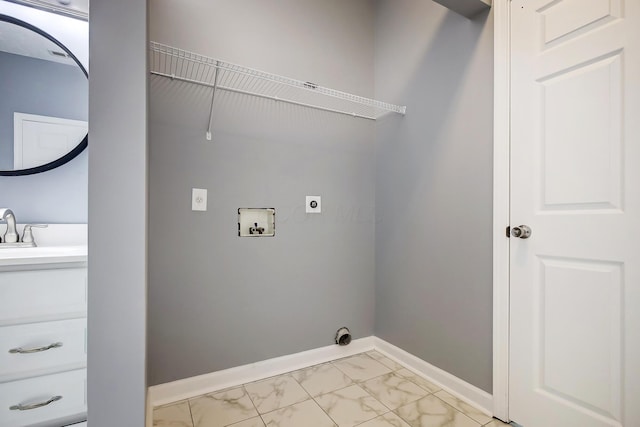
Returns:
<point x="11" y="235"/>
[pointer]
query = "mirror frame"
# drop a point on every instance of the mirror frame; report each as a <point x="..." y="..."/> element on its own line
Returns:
<point x="85" y="141"/>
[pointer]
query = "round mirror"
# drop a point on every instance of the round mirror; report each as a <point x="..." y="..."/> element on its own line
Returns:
<point x="44" y="97"/>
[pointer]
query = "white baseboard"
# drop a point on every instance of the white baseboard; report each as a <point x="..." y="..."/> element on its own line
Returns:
<point x="195" y="386"/>
<point x="471" y="394"/>
<point x="187" y="388"/>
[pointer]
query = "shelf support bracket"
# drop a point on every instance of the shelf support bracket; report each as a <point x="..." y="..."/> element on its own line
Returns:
<point x="213" y="97"/>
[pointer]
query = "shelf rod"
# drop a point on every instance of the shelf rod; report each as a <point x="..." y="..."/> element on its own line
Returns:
<point x="213" y="97"/>
<point x="274" y="98"/>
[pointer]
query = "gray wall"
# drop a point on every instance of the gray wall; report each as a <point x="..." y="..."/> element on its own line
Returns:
<point x="36" y="86"/>
<point x="434" y="186"/>
<point x="55" y="196"/>
<point x="217" y="300"/>
<point x="117" y="213"/>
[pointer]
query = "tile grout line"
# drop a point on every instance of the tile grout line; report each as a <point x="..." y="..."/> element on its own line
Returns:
<point x="193" y="422"/>
<point x="354" y="382"/>
<point x="375" y="418"/>
<point x="457" y="410"/>
<point x="393" y="410"/>
<point x="393" y="371"/>
<point x="253" y="404"/>
<point x="313" y="399"/>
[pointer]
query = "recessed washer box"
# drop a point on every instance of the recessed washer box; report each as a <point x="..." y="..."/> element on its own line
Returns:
<point x="256" y="222"/>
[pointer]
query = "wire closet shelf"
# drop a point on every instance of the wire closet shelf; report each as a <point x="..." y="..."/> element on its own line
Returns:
<point x="182" y="65"/>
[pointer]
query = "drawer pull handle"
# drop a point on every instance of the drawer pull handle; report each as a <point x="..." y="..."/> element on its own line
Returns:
<point x="35" y="350"/>
<point x="34" y="405"/>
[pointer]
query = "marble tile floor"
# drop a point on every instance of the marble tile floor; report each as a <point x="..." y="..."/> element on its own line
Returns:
<point x="365" y="390"/>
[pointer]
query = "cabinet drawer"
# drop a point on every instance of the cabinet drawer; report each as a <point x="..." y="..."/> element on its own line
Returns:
<point x="42" y="293"/>
<point x="67" y="339"/>
<point x="70" y="386"/>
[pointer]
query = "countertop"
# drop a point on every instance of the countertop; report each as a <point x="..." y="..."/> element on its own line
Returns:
<point x="42" y="255"/>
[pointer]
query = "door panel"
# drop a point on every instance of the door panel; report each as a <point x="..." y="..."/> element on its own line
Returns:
<point x="562" y="20"/>
<point x="582" y="140"/>
<point x="588" y="331"/>
<point x="575" y="162"/>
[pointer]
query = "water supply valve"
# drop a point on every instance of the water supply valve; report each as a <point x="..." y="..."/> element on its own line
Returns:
<point x="255" y="229"/>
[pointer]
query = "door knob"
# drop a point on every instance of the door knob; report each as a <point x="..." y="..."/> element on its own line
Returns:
<point x="523" y="232"/>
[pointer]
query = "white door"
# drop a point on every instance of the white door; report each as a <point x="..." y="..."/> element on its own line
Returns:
<point x="575" y="181"/>
<point x="39" y="140"/>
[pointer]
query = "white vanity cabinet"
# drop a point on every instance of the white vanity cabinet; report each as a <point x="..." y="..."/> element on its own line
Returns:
<point x="43" y="340"/>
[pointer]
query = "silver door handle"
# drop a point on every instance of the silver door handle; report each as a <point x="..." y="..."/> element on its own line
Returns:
<point x="21" y="350"/>
<point x="523" y="232"/>
<point x="22" y="407"/>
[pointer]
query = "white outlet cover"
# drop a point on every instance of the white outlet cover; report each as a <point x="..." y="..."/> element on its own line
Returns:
<point x="198" y="199"/>
<point x="313" y="204"/>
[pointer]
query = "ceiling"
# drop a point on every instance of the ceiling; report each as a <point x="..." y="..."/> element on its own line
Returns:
<point x="74" y="8"/>
<point x="21" y="41"/>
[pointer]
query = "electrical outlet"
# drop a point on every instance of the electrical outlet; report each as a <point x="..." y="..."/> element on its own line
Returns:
<point x="198" y="199"/>
<point x="313" y="204"/>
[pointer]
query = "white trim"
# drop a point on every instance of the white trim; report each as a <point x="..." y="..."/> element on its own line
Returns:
<point x="471" y="394"/>
<point x="149" y="410"/>
<point x="163" y="394"/>
<point x="501" y="189"/>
